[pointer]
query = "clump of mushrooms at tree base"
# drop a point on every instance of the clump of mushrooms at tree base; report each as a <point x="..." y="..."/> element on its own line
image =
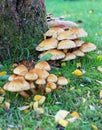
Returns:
<point x="63" y="42"/>
<point x="36" y="79"/>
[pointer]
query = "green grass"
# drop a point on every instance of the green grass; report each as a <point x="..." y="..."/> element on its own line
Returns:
<point x="67" y="98"/>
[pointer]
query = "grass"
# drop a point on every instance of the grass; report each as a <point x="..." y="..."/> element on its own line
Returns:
<point x="70" y="98"/>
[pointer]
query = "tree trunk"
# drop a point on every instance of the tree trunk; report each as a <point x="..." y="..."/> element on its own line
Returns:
<point x="22" y="23"/>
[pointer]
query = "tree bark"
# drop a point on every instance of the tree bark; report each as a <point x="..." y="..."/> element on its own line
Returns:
<point x="22" y="24"/>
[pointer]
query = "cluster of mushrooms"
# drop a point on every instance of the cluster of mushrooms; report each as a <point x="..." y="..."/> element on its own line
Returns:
<point x="64" y="43"/>
<point x="37" y="80"/>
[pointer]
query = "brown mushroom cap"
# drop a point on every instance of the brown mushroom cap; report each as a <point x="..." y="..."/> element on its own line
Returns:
<point x="40" y="72"/>
<point x="20" y="70"/>
<point x="78" y="53"/>
<point x="31" y="76"/>
<point x="72" y="33"/>
<point x="47" y="44"/>
<point x="69" y="56"/>
<point x="66" y="44"/>
<point x="52" y="78"/>
<point x="12" y="77"/>
<point x="78" y="42"/>
<point x="51" y="85"/>
<point x="62" y="81"/>
<point x="17" y="85"/>
<point x="43" y="65"/>
<point x="87" y="47"/>
<point x="55" y="54"/>
<point x="53" y="32"/>
<point x="40" y="81"/>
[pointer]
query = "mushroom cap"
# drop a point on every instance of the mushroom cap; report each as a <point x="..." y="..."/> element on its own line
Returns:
<point x="12" y="77"/>
<point x="51" y="85"/>
<point x="40" y="72"/>
<point x="69" y="56"/>
<point x="47" y="90"/>
<point x="55" y="54"/>
<point x="72" y="33"/>
<point x="53" y="32"/>
<point x="87" y="47"/>
<point x="62" y="81"/>
<point x="52" y="78"/>
<point x="31" y="76"/>
<point x="17" y="85"/>
<point x="47" y="44"/>
<point x="43" y="65"/>
<point x="40" y="81"/>
<point x="66" y="44"/>
<point x="78" y="53"/>
<point x="78" y="42"/>
<point x="20" y="70"/>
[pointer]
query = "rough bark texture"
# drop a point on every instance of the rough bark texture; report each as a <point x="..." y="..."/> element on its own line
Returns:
<point x="22" y="23"/>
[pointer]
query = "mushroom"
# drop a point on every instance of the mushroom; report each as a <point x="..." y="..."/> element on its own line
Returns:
<point x="12" y="77"/>
<point x="69" y="56"/>
<point x="87" y="47"/>
<point x="47" y="44"/>
<point x="55" y="54"/>
<point x="31" y="76"/>
<point x="19" y="84"/>
<point x="78" y="53"/>
<point x="20" y="70"/>
<point x="72" y="33"/>
<point x="78" y="42"/>
<point x="41" y="82"/>
<point x="52" y="78"/>
<point x="51" y="85"/>
<point x="62" y="81"/>
<point x="53" y="32"/>
<point x="43" y="65"/>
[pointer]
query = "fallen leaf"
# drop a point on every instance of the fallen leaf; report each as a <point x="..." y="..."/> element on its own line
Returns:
<point x="23" y="108"/>
<point x="77" y="72"/>
<point x="75" y="114"/>
<point x="94" y="127"/>
<point x="37" y="97"/>
<point x="1" y="99"/>
<point x="63" y="123"/>
<point x="72" y="119"/>
<point x="99" y="68"/>
<point x="3" y="73"/>
<point x="101" y="94"/>
<point x="25" y="111"/>
<point x="42" y="100"/>
<point x="35" y="105"/>
<point x="99" y="57"/>
<point x="40" y="110"/>
<point x="100" y="82"/>
<point x="2" y="91"/>
<point x="61" y="114"/>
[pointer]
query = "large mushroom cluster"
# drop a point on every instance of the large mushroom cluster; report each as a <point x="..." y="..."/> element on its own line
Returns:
<point x="37" y="80"/>
<point x="65" y="43"/>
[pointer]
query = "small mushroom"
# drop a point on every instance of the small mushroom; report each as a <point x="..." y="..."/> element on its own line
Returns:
<point x="31" y="76"/>
<point x="51" y="85"/>
<point x="43" y="65"/>
<point x="12" y="77"/>
<point x="52" y="78"/>
<point x="69" y="56"/>
<point x="62" y="81"/>
<point x="78" y="53"/>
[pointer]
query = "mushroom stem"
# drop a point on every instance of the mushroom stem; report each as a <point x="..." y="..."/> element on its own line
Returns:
<point x="41" y="88"/>
<point x="24" y="94"/>
<point x="65" y="51"/>
<point x="33" y="90"/>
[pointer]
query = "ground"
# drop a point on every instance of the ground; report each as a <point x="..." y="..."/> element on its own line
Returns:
<point x="82" y="93"/>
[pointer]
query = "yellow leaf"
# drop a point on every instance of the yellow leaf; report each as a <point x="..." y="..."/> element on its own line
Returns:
<point x="3" y="73"/>
<point x="75" y="114"/>
<point x="61" y="114"/>
<point x="77" y="72"/>
<point x="99" y="57"/>
<point x="94" y="127"/>
<point x="35" y="105"/>
<point x="63" y="123"/>
<point x="78" y="65"/>
<point x="1" y="99"/>
<point x="25" y="111"/>
<point x="42" y="100"/>
<point x="37" y="97"/>
<point x="40" y="110"/>
<point x="99" y="68"/>
<point x="2" y="91"/>
<point x="101" y="94"/>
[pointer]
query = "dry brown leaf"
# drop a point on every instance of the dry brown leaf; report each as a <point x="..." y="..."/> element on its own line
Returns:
<point x="61" y="114"/>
